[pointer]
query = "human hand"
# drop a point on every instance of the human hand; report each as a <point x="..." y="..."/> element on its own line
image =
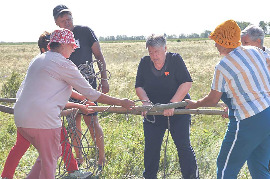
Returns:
<point x="90" y="103"/>
<point x="84" y="108"/>
<point x="168" y="112"/>
<point x="104" y="86"/>
<point x="225" y="110"/>
<point x="126" y="103"/>
<point x="146" y="103"/>
<point x="191" y="104"/>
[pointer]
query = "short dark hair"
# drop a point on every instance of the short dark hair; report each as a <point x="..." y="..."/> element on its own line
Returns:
<point x="43" y="40"/>
<point x="54" y="45"/>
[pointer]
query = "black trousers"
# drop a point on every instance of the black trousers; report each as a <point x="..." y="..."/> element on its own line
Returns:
<point x="154" y="133"/>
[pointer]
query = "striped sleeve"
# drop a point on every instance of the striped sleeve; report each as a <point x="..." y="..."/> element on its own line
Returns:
<point x="218" y="82"/>
<point x="267" y="57"/>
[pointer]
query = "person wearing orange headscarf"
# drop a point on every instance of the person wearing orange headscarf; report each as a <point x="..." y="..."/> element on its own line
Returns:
<point x="242" y="81"/>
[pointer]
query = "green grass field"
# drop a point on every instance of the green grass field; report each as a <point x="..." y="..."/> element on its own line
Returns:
<point x="124" y="140"/>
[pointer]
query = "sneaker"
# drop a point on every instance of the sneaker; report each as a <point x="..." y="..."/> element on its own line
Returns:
<point x="80" y="174"/>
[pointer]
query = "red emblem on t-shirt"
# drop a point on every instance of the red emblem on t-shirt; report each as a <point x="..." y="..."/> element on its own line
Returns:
<point x="166" y="73"/>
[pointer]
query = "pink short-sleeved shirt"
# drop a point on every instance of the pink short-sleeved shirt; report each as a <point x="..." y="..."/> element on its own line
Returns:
<point x="47" y="88"/>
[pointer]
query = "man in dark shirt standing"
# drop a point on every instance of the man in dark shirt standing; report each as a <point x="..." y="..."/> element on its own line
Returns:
<point x="88" y="45"/>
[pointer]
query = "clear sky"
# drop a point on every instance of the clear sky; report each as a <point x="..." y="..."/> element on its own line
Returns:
<point x="25" y="20"/>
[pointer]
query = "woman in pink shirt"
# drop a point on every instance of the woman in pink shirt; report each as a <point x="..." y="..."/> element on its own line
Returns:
<point x="48" y="86"/>
<point x="22" y="145"/>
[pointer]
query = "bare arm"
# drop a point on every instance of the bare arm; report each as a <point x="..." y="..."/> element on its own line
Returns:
<point x="77" y="95"/>
<point x="84" y="108"/>
<point x="142" y="94"/>
<point x="210" y="100"/>
<point x="143" y="97"/>
<point x="99" y="56"/>
<point x="80" y="97"/>
<point x="106" y="99"/>
<point x="181" y="92"/>
<point x="178" y="96"/>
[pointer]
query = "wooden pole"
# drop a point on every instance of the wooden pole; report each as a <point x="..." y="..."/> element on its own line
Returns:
<point x="160" y="106"/>
<point x="6" y="109"/>
<point x="8" y="100"/>
<point x="137" y="110"/>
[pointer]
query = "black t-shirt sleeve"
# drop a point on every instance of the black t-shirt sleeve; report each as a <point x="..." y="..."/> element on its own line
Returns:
<point x="140" y="77"/>
<point x="92" y="36"/>
<point x="181" y="72"/>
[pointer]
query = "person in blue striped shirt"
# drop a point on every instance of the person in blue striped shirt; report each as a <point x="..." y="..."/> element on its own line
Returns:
<point x="242" y="81"/>
<point x="254" y="35"/>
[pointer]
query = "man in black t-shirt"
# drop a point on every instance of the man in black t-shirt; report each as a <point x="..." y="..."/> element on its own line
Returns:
<point x="88" y="45"/>
<point x="162" y="77"/>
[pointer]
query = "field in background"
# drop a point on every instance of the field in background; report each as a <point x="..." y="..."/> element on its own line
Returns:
<point x="124" y="141"/>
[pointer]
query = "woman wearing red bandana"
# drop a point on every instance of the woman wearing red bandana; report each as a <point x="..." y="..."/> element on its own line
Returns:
<point x="162" y="77"/>
<point x="48" y="86"/>
<point x="22" y="145"/>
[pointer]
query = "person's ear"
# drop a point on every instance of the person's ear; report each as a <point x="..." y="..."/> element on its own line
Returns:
<point x="259" y="41"/>
<point x="56" y="21"/>
<point x="43" y="50"/>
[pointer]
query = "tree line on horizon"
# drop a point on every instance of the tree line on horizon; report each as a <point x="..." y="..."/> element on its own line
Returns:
<point x="264" y="25"/>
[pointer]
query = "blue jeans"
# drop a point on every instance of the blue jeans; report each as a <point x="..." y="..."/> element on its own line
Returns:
<point x="246" y="140"/>
<point x="154" y="133"/>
